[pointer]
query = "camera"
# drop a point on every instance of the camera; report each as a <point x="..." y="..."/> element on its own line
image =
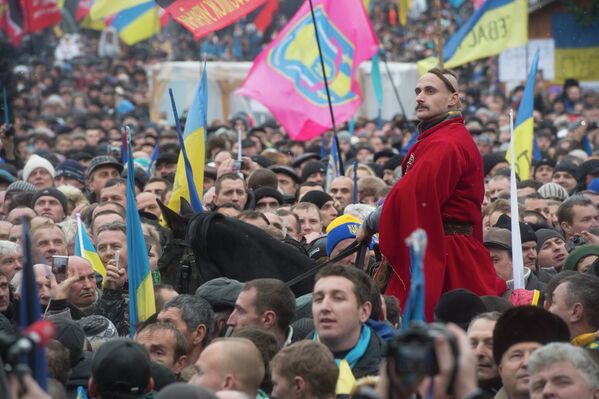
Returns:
<point x="239" y="165"/>
<point x="59" y="264"/>
<point x="413" y="350"/>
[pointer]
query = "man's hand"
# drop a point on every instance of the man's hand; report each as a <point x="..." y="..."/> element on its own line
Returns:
<point x="61" y="290"/>
<point x="115" y="277"/>
<point x="226" y="166"/>
<point x="362" y="236"/>
<point x="590" y="238"/>
<point x="32" y="389"/>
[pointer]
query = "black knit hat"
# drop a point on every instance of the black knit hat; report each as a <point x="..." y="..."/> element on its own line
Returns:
<point x="459" y="306"/>
<point x="312" y="167"/>
<point x="568" y="167"/>
<point x="266" y="191"/>
<point x="526" y="232"/>
<point x="71" y="335"/>
<point x="527" y="324"/>
<point x="318" y="198"/>
<point x="492" y="159"/>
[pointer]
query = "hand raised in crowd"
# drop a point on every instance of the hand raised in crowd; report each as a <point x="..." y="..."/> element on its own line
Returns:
<point x="590" y="238"/>
<point x="115" y="277"/>
<point x="60" y="290"/>
<point x="226" y="166"/>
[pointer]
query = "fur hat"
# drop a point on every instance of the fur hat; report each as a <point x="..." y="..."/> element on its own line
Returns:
<point x="527" y="324"/>
<point x="459" y="306"/>
<point x="34" y="162"/>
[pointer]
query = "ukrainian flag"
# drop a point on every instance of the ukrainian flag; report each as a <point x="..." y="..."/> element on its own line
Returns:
<point x="107" y="8"/>
<point x="193" y="139"/>
<point x="576" y="48"/>
<point x="494" y="27"/>
<point x="85" y="249"/>
<point x="524" y="125"/>
<point x="137" y="23"/>
<point x="141" y="290"/>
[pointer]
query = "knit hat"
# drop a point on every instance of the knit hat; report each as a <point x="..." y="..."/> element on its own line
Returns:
<point x="97" y="327"/>
<point x="103" y="160"/>
<point x="568" y="167"/>
<point x="71" y="335"/>
<point x="545" y="234"/>
<point x="34" y="162"/>
<point x="71" y="169"/>
<point x="20" y="187"/>
<point x="492" y="159"/>
<point x="221" y="292"/>
<point x="5" y="176"/>
<point x="553" y="191"/>
<point x="579" y="254"/>
<point x="497" y="237"/>
<point x="51" y="192"/>
<point x="312" y="167"/>
<point x="459" y="306"/>
<point x="340" y="229"/>
<point x="121" y="365"/>
<point x="318" y="198"/>
<point x="526" y="232"/>
<point x="527" y="324"/>
<point x="266" y="191"/>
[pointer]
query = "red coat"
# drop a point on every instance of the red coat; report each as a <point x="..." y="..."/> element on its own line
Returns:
<point x="442" y="182"/>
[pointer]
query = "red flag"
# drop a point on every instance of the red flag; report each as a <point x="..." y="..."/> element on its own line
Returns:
<point x="14" y="22"/>
<point x="40" y="14"/>
<point x="264" y="19"/>
<point x="201" y="17"/>
<point x="83" y="8"/>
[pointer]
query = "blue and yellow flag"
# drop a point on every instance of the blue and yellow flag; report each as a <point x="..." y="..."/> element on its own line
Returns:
<point x="141" y="290"/>
<point x="106" y="8"/>
<point x="193" y="139"/>
<point x="137" y="23"/>
<point x="85" y="249"/>
<point x="524" y="125"/>
<point x="576" y="48"/>
<point x="494" y="27"/>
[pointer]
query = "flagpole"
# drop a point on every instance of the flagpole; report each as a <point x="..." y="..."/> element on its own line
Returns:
<point x="326" y="86"/>
<point x="80" y="233"/>
<point x="439" y="37"/>
<point x="517" y="261"/>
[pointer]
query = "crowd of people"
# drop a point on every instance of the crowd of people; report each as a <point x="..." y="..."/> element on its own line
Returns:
<point x="62" y="157"/>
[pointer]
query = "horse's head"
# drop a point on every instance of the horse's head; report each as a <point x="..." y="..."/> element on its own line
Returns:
<point x="175" y="221"/>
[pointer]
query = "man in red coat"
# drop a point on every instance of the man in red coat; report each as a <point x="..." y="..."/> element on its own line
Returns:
<point x="441" y="191"/>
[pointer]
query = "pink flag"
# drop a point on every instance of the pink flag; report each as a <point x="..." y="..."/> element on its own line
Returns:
<point x="287" y="76"/>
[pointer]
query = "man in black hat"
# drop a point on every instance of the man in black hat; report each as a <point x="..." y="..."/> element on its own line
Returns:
<point x="166" y="163"/>
<point x="50" y="203"/>
<point x="519" y="332"/>
<point x="314" y="171"/>
<point x="120" y="368"/>
<point x="287" y="178"/>
<point x="267" y="198"/>
<point x="70" y="172"/>
<point x="565" y="174"/>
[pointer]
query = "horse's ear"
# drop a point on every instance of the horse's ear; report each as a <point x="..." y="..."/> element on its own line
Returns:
<point x="171" y="217"/>
<point x="186" y="209"/>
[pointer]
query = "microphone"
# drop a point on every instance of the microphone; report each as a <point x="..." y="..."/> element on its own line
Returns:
<point x="35" y="336"/>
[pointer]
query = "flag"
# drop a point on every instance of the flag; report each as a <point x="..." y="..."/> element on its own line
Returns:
<point x="334" y="166"/>
<point x="524" y="125"/>
<point x="264" y="18"/>
<point x="40" y="14"/>
<point x="106" y="8"/>
<point x="375" y="74"/>
<point x="153" y="158"/>
<point x="137" y="23"/>
<point x="287" y="77"/>
<point x="404" y="8"/>
<point x="496" y="26"/>
<point x="141" y="290"/>
<point x="15" y="22"/>
<point x="201" y="17"/>
<point x="85" y="248"/>
<point x="576" y="48"/>
<point x="83" y="9"/>
<point x="193" y="141"/>
<point x="30" y="308"/>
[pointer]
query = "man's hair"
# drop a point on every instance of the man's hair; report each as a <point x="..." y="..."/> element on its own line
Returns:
<point x="500" y="205"/>
<point x="158" y="298"/>
<point x="104" y="212"/>
<point x="168" y="186"/>
<point x="555" y="352"/>
<point x="262" y="178"/>
<point x="393" y="309"/>
<point x="116" y="181"/>
<point x="59" y="363"/>
<point x="530" y="184"/>
<point x="286" y="212"/>
<point x="181" y="345"/>
<point x="565" y="212"/>
<point x="113" y="226"/>
<point x="265" y="341"/>
<point x="121" y="209"/>
<point x="359" y="279"/>
<point x="306" y="206"/>
<point x="584" y="289"/>
<point x="252" y="215"/>
<point x="275" y="295"/>
<point x="556" y="280"/>
<point x="8" y="247"/>
<point x="227" y="176"/>
<point x="491" y="316"/>
<point x="536" y="196"/>
<point x="195" y="310"/>
<point x="46" y="224"/>
<point x="370" y="185"/>
<point x="313" y="362"/>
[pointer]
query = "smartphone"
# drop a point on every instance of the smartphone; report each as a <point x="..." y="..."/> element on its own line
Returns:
<point x="60" y="264"/>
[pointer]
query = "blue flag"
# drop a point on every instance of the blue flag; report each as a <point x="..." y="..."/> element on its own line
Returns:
<point x="414" y="310"/>
<point x="141" y="291"/>
<point x="153" y="159"/>
<point x="30" y="309"/>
